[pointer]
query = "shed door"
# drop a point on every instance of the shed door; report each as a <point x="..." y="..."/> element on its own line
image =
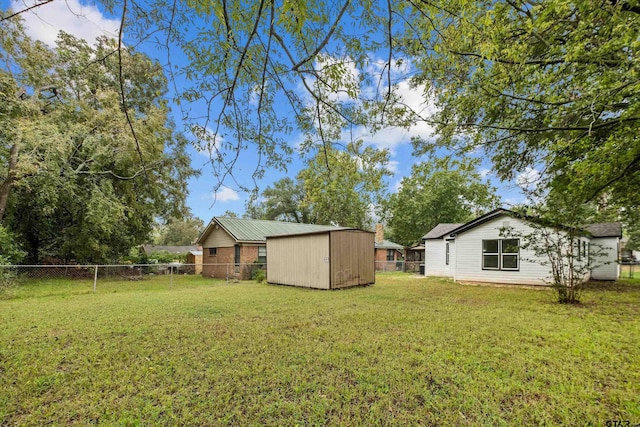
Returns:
<point x="352" y="259"/>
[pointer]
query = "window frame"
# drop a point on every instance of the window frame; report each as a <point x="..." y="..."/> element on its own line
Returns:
<point x="500" y="254"/>
<point x="391" y="254"/>
<point x="262" y="259"/>
<point x="446" y="253"/>
<point x="213" y="251"/>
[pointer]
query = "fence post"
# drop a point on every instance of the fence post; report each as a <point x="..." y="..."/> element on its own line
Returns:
<point x="95" y="279"/>
<point x="170" y="276"/>
<point x="227" y="273"/>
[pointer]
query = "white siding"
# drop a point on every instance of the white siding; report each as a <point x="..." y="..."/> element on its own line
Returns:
<point x="606" y="264"/>
<point x="218" y="238"/>
<point x="469" y="256"/>
<point x="435" y="263"/>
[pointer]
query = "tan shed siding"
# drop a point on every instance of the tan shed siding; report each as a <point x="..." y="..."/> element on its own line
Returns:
<point x="218" y="238"/>
<point x="434" y="264"/>
<point x="299" y="261"/>
<point x="352" y="258"/>
<point x="469" y="256"/>
<point x="607" y="267"/>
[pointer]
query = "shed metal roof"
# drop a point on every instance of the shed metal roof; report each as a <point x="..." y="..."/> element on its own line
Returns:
<point x="257" y="230"/>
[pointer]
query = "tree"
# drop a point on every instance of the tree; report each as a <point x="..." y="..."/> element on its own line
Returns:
<point x="282" y="202"/>
<point x="547" y="84"/>
<point x="437" y="191"/>
<point x="557" y="228"/>
<point x="180" y="231"/>
<point x="344" y="187"/>
<point x="336" y="187"/>
<point x="89" y="179"/>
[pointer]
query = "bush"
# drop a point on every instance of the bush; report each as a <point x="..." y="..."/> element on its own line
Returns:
<point x="259" y="275"/>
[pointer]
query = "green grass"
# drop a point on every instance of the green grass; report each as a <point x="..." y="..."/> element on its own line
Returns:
<point x="406" y="351"/>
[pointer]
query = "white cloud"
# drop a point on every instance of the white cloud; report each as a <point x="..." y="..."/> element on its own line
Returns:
<point x="226" y="194"/>
<point x="392" y="166"/>
<point x="83" y="21"/>
<point x="528" y="180"/>
<point x="485" y="173"/>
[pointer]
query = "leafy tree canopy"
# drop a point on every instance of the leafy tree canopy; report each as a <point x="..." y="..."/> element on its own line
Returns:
<point x="336" y="187"/>
<point x="84" y="180"/>
<point x="547" y="84"/>
<point x="179" y="231"/>
<point x="437" y="191"/>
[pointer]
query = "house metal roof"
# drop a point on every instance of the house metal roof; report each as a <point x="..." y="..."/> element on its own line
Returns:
<point x="387" y="244"/>
<point x="257" y="230"/>
<point x="177" y="250"/>
<point x="440" y="230"/>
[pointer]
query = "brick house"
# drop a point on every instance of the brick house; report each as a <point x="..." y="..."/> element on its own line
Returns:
<point x="234" y="247"/>
<point x="387" y="253"/>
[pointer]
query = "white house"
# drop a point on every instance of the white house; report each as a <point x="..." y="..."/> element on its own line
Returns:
<point x="476" y="251"/>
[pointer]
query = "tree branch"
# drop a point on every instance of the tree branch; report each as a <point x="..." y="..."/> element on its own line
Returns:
<point x="25" y="10"/>
<point x="326" y="39"/>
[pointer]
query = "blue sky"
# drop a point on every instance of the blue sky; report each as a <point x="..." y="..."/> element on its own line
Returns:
<point x="88" y="22"/>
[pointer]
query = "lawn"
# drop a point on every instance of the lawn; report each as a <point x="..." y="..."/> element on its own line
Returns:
<point x="406" y="351"/>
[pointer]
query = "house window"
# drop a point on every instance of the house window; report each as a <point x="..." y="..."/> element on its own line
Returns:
<point x="501" y="254"/>
<point x="446" y="254"/>
<point x="262" y="254"/>
<point x="236" y="258"/>
<point x="213" y="251"/>
<point x="391" y="254"/>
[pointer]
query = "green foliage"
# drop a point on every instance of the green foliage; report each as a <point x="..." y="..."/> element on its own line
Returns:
<point x="555" y="239"/>
<point x="84" y="187"/>
<point x="336" y="187"/>
<point x="164" y="257"/>
<point x="259" y="275"/>
<point x="405" y="351"/>
<point x="437" y="191"/>
<point x="283" y="202"/>
<point x="342" y="187"/>
<point x="10" y="251"/>
<point x="179" y="231"/>
<point x="547" y="84"/>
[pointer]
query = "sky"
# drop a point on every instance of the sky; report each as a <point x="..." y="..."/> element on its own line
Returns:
<point x="87" y="22"/>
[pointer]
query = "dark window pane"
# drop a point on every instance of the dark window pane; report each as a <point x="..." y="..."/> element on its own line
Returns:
<point x="510" y="246"/>
<point x="490" y="261"/>
<point x="490" y="246"/>
<point x="213" y="251"/>
<point x="510" y="262"/>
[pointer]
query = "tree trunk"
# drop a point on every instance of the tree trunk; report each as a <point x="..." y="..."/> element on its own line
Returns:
<point x="5" y="188"/>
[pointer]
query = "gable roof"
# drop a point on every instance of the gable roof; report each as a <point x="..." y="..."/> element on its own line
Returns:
<point x="440" y="230"/>
<point x="257" y="230"/>
<point x="177" y="250"/>
<point x="605" y="229"/>
<point x="388" y="244"/>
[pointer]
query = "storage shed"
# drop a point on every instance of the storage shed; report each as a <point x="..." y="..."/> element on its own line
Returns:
<point x="332" y="259"/>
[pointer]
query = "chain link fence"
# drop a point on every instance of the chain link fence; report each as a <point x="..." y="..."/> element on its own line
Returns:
<point x="163" y="274"/>
<point x="630" y="271"/>
<point x="404" y="266"/>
